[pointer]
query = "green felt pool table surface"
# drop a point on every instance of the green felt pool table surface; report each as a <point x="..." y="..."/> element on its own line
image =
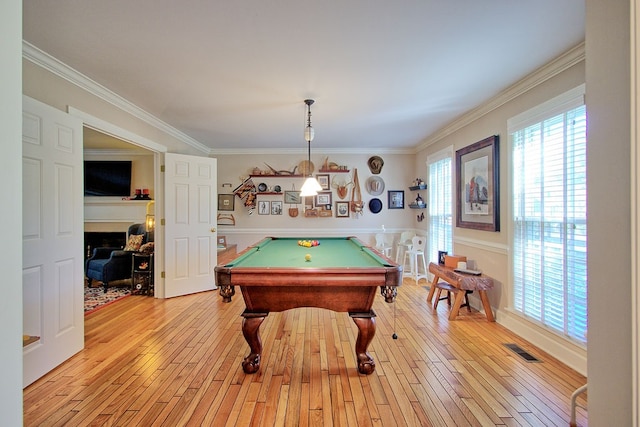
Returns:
<point x="332" y="252"/>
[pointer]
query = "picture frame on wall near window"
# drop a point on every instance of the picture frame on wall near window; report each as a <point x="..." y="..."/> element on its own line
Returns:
<point x="477" y="185"/>
<point x="396" y="199"/>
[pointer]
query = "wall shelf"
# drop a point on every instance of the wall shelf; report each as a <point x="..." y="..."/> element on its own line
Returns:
<point x="334" y="171"/>
<point x="416" y="206"/>
<point x="276" y="176"/>
<point x="418" y="187"/>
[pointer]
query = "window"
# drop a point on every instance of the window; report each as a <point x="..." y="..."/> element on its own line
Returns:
<point x="549" y="214"/>
<point x="440" y="202"/>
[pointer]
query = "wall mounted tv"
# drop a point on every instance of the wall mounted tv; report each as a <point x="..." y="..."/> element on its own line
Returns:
<point x="107" y="178"/>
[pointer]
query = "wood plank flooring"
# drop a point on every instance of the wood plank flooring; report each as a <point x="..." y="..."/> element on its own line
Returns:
<point x="176" y="362"/>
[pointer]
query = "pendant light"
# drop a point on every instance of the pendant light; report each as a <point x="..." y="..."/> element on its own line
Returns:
<point x="311" y="185"/>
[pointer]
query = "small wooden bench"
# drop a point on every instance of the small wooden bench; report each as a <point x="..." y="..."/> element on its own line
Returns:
<point x="446" y="279"/>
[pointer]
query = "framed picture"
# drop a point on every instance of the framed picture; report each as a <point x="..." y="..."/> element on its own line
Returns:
<point x="226" y="202"/>
<point x="292" y="197"/>
<point x="396" y="199"/>
<point x="308" y="202"/>
<point x="323" y="199"/>
<point x="477" y="185"/>
<point x="276" y="207"/>
<point x="323" y="180"/>
<point x="342" y="209"/>
<point x="263" y="207"/>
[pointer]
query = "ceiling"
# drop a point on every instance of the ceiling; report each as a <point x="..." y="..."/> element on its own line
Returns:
<point x="233" y="75"/>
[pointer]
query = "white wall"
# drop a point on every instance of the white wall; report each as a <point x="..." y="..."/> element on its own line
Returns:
<point x="11" y="214"/>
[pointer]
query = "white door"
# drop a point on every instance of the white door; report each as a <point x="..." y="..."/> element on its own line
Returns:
<point x="190" y="221"/>
<point x="53" y="271"/>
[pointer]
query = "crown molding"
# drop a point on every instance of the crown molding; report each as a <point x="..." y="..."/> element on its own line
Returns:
<point x="553" y="68"/>
<point x="60" y="69"/>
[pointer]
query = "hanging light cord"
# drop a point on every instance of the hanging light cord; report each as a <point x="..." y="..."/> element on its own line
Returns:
<point x="309" y="134"/>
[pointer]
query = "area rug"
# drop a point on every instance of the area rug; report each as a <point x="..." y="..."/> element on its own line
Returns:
<point x="96" y="298"/>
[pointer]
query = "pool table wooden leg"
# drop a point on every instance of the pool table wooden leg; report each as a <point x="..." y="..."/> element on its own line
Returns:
<point x="251" y="331"/>
<point x="366" y="324"/>
<point x="226" y="292"/>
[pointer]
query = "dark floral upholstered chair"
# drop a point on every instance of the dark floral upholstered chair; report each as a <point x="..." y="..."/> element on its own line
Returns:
<point x="109" y="264"/>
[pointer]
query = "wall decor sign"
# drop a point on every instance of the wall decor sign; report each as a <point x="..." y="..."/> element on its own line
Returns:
<point x="226" y="202"/>
<point x="477" y="185"/>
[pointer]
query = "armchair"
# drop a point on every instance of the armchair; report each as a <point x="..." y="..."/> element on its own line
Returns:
<point x="109" y="264"/>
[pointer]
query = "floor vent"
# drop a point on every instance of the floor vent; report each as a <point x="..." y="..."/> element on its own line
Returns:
<point x="521" y="352"/>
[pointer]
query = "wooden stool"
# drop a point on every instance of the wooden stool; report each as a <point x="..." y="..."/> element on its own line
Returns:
<point x="444" y="286"/>
<point x="441" y="286"/>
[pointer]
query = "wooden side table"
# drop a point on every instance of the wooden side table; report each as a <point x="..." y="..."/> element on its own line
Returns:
<point x="459" y="284"/>
<point x="142" y="274"/>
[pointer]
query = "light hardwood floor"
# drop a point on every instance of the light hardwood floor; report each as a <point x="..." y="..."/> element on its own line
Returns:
<point x="176" y="362"/>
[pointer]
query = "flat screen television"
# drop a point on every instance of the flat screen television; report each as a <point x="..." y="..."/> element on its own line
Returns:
<point x="107" y="178"/>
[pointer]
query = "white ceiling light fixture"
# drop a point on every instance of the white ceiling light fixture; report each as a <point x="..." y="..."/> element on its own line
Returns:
<point x="311" y="185"/>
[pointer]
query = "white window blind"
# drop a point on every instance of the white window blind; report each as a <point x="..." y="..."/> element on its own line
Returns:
<point x="549" y="206"/>
<point x="440" y="202"/>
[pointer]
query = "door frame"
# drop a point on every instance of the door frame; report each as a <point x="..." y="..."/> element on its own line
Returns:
<point x="158" y="151"/>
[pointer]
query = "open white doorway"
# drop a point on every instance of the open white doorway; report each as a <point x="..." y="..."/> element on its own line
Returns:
<point x="105" y="138"/>
<point x="119" y="208"/>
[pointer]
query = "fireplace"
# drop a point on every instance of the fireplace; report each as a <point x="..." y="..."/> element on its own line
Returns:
<point x="99" y="239"/>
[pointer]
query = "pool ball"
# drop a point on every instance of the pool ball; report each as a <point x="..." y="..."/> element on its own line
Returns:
<point x="307" y="257"/>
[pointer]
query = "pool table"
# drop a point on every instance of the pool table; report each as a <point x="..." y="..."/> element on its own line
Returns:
<point x="342" y="274"/>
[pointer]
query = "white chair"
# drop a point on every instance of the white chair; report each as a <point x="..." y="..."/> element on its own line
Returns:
<point x="416" y="258"/>
<point x="403" y="245"/>
<point x="382" y="244"/>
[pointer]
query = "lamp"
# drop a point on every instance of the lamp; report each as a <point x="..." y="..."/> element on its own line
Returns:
<point x="150" y="221"/>
<point x="311" y="185"/>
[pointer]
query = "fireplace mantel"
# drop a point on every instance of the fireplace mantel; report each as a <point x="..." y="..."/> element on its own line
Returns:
<point x="113" y="213"/>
